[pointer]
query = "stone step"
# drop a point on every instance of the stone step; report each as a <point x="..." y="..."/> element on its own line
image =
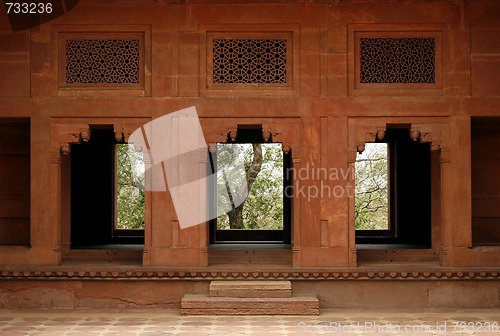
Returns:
<point x="202" y="304"/>
<point x="251" y="289"/>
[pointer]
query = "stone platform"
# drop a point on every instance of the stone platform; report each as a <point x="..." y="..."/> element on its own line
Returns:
<point x="249" y="298"/>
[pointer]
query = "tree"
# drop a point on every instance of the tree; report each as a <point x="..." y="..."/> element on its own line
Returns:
<point x="263" y="208"/>
<point x="251" y="171"/>
<point x="371" y="191"/>
<point x="129" y="188"/>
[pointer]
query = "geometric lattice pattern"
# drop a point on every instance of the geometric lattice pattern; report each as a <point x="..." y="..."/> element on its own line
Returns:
<point x="398" y="60"/>
<point x="255" y="61"/>
<point x="102" y="61"/>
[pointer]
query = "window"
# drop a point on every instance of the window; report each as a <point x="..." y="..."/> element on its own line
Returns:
<point x="102" y="60"/>
<point x="129" y="191"/>
<point x="264" y="216"/>
<point x="408" y="60"/>
<point x="15" y="179"/>
<point x="372" y="189"/>
<point x="396" y="62"/>
<point x="249" y="61"/>
<point x="485" y="155"/>
<point x="393" y="191"/>
<point x="107" y="202"/>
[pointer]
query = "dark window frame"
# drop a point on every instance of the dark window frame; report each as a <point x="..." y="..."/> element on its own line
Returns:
<point x="392" y="231"/>
<point x="122" y="232"/>
<point x="253" y="134"/>
<point x="410" y="209"/>
<point x="101" y="150"/>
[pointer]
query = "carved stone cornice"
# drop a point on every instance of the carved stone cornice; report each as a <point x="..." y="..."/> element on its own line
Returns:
<point x="208" y="275"/>
<point x="65" y="135"/>
<point x="218" y="130"/>
<point x="427" y="133"/>
<point x="66" y="132"/>
<point x="369" y="130"/>
<point x="360" y="133"/>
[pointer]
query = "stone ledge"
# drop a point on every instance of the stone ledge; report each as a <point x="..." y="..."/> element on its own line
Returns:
<point x="78" y="273"/>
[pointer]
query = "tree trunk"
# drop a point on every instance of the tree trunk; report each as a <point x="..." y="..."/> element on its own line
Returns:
<point x="252" y="170"/>
<point x="236" y="217"/>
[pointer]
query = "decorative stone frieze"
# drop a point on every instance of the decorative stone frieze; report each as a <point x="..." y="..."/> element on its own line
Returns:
<point x="370" y="130"/>
<point x="313" y="274"/>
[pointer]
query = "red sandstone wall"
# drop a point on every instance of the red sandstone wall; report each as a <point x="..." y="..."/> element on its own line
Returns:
<point x="327" y="111"/>
<point x="332" y="294"/>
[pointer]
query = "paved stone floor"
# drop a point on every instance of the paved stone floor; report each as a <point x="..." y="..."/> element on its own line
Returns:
<point x="170" y="322"/>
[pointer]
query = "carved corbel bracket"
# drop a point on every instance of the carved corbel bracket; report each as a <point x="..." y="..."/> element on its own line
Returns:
<point x="266" y="135"/>
<point x="233" y="132"/>
<point x="85" y="135"/>
<point x="365" y="131"/>
<point x="124" y="128"/>
<point x="71" y="131"/>
<point x="370" y="136"/>
<point x="216" y="132"/>
<point x="287" y="148"/>
<point x="120" y="132"/>
<point x="360" y="148"/>
<point x="287" y="134"/>
<point x="119" y="136"/>
<point x="426" y="134"/>
<point x="72" y="138"/>
<point x="65" y="149"/>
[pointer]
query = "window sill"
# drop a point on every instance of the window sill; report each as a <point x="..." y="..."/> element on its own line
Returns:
<point x="238" y="247"/>
<point x="392" y="247"/>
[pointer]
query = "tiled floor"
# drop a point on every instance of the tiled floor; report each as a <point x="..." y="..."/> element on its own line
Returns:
<point x="330" y="322"/>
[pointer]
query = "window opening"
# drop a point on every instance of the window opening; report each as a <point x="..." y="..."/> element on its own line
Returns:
<point x="264" y="216"/>
<point x="398" y="60"/>
<point x="485" y="165"/>
<point x="102" y="61"/>
<point x="249" y="61"/>
<point x="15" y="177"/>
<point x="372" y="188"/>
<point x="263" y="208"/>
<point x="129" y="193"/>
<point x="408" y="191"/>
<point x="95" y="192"/>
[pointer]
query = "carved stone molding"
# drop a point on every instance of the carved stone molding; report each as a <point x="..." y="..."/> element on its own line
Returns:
<point x="429" y="133"/>
<point x="66" y="132"/>
<point x="277" y="130"/>
<point x="65" y="139"/>
<point x="368" y="130"/>
<point x="207" y="274"/>
<point x="371" y="137"/>
<point x="361" y="132"/>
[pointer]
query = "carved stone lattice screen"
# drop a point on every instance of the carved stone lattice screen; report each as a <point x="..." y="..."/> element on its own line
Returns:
<point x="397" y="60"/>
<point x="249" y="61"/>
<point x="102" y="61"/>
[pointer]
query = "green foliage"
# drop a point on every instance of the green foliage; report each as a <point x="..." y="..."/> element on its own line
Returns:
<point x="263" y="208"/>
<point x="129" y="188"/>
<point x="371" y="203"/>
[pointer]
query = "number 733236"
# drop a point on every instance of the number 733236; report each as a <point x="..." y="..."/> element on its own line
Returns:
<point x="29" y="7"/>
